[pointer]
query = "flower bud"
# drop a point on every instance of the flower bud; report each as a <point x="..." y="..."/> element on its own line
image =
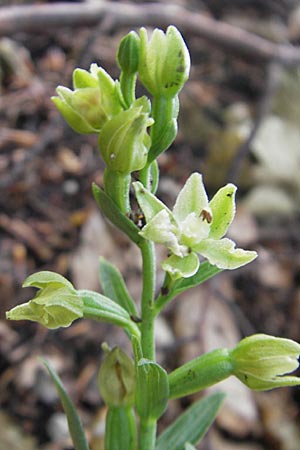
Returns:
<point x="55" y="305"/>
<point x="94" y="100"/>
<point x="164" y="62"/>
<point x="124" y="141"/>
<point x="116" y="378"/>
<point x="128" y="53"/>
<point x="263" y="362"/>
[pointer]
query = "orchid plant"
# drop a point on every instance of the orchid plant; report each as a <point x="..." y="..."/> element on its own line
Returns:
<point x="132" y="132"/>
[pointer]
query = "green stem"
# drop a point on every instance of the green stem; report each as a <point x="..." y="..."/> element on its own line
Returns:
<point x="147" y="325"/>
<point x="145" y="176"/>
<point x="148" y="428"/>
<point x="164" y="129"/>
<point x="147" y="435"/>
<point x="149" y="176"/>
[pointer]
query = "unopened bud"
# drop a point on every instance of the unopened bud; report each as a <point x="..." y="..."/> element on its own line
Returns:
<point x="116" y="378"/>
<point x="128" y="53"/>
<point x="164" y="62"/>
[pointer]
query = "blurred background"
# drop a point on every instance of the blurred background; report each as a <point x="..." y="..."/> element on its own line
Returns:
<point x="239" y="121"/>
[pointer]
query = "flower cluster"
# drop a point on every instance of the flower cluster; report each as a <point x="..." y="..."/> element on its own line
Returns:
<point x="98" y="104"/>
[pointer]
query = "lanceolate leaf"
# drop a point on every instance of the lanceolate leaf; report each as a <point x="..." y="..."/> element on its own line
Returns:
<point x="192" y="425"/>
<point x="152" y="391"/>
<point x="113" y="286"/>
<point x="111" y="211"/>
<point x="99" y="307"/>
<point x="74" y="422"/>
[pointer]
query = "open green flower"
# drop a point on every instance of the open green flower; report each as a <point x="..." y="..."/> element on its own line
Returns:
<point x="55" y="305"/>
<point x="195" y="226"/>
<point x="95" y="99"/>
<point x="264" y="362"/>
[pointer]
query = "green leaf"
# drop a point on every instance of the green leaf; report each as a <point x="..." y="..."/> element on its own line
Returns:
<point x="114" y="286"/>
<point x="152" y="391"/>
<point x="74" y="422"/>
<point x="99" y="307"/>
<point x="112" y="212"/>
<point x="192" y="425"/>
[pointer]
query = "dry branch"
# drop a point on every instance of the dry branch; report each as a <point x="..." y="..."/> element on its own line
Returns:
<point x="41" y="18"/>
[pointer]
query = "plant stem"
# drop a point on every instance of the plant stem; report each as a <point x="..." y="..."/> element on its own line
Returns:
<point x="147" y="325"/>
<point x="144" y="176"/>
<point x="147" y="435"/>
<point x="148" y="428"/>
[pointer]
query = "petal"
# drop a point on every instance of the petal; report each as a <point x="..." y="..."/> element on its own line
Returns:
<point x="223" y="210"/>
<point x="162" y="230"/>
<point x="223" y="254"/>
<point x="193" y="229"/>
<point x="181" y="267"/>
<point x="191" y="199"/>
<point x="259" y="384"/>
<point x="150" y="205"/>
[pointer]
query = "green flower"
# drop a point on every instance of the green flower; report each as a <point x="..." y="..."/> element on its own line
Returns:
<point x="55" y="305"/>
<point x="195" y="226"/>
<point x="95" y="99"/>
<point x="263" y="362"/>
<point x="164" y="63"/>
<point x="124" y="141"/>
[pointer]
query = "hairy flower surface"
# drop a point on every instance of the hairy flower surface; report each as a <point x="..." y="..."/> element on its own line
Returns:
<point x="194" y="226"/>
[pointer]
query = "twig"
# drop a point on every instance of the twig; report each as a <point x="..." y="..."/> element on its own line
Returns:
<point x="43" y="18"/>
